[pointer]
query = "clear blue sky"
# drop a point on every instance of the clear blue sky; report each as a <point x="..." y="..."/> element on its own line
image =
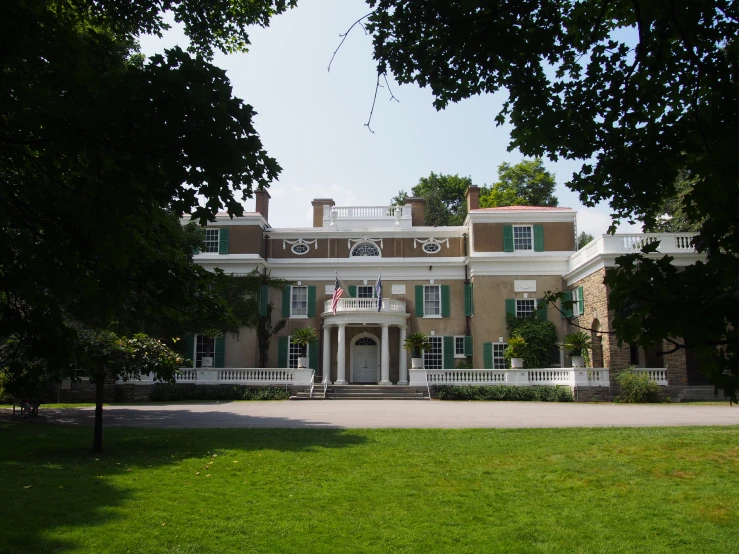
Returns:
<point x="312" y="121"/>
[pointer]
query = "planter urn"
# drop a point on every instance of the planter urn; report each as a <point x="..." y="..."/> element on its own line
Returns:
<point x="516" y="363"/>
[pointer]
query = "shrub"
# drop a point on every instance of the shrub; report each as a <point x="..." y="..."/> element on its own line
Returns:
<point x="500" y="392"/>
<point x="540" y="337"/>
<point x="168" y="392"/>
<point x="636" y="387"/>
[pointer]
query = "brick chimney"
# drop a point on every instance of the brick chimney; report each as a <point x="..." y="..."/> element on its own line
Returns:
<point x="263" y="197"/>
<point x="418" y="207"/>
<point x="318" y="204"/>
<point x="473" y="198"/>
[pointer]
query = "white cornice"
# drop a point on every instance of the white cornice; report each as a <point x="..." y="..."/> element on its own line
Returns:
<point x="609" y="260"/>
<point x="330" y="232"/>
<point x="227" y="221"/>
<point x="523" y="266"/>
<point x="519" y="216"/>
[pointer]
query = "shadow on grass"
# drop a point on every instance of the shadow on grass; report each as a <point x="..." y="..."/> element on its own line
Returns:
<point x="52" y="485"/>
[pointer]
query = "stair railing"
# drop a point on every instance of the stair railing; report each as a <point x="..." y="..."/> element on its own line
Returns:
<point x="312" y="382"/>
<point x="426" y="373"/>
<point x="325" y="385"/>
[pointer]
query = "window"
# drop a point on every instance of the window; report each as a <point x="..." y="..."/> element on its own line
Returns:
<point x="431" y="300"/>
<point x="210" y="244"/>
<point x="522" y="237"/>
<point x="431" y="248"/>
<point x="300" y="248"/>
<point x="365" y="249"/>
<point x="299" y="301"/>
<point x="365" y="291"/>
<point x="498" y="357"/>
<point x="293" y="353"/>
<point x="525" y="307"/>
<point x="433" y="358"/>
<point x="459" y="347"/>
<point x="204" y="351"/>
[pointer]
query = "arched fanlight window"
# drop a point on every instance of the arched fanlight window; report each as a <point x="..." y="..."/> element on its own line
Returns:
<point x="365" y="249"/>
<point x="365" y="341"/>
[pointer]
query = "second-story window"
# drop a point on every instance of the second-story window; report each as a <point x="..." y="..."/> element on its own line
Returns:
<point x="210" y="244"/>
<point x="365" y="291"/>
<point x="431" y="300"/>
<point x="522" y="237"/>
<point x="299" y="301"/>
<point x="525" y="307"/>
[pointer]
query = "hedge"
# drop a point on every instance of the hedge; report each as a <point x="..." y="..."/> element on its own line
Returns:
<point x="166" y="392"/>
<point x="473" y="392"/>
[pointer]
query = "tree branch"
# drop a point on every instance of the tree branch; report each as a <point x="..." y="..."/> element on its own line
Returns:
<point x="346" y="34"/>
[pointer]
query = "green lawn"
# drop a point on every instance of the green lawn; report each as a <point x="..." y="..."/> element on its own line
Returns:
<point x="546" y="490"/>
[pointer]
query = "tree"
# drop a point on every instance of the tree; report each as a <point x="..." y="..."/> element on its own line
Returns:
<point x="527" y="183"/>
<point x="584" y="239"/>
<point x="674" y="209"/>
<point x="445" y="195"/>
<point x="637" y="92"/>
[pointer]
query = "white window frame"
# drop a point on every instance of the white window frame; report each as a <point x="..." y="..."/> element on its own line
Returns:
<point x="371" y="291"/>
<point x="576" y="302"/>
<point x="531" y="238"/>
<point x="427" y="353"/>
<point x="293" y="313"/>
<point x="527" y="314"/>
<point x="200" y="349"/>
<point x="293" y="353"/>
<point x="499" y="359"/>
<point x="457" y="340"/>
<point x="435" y="246"/>
<point x="300" y="245"/>
<point x="425" y="311"/>
<point x="360" y="244"/>
<point x="210" y="245"/>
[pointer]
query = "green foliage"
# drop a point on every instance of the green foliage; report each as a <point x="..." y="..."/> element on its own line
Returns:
<point x="515" y="349"/>
<point x="416" y="343"/>
<point x="445" y="195"/>
<point x="577" y="343"/>
<point x="172" y="392"/>
<point x="636" y="387"/>
<point x="584" y="239"/>
<point x="463" y="364"/>
<point x="650" y="114"/>
<point x="526" y="183"/>
<point x="512" y="393"/>
<point x="540" y="337"/>
<point x="303" y="336"/>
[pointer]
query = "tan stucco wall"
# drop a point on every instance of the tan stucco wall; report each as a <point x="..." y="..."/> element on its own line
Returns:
<point x="318" y="250"/>
<point x="455" y="248"/>
<point x="558" y="237"/>
<point x="241" y="349"/>
<point x="245" y="239"/>
<point x="488" y="237"/>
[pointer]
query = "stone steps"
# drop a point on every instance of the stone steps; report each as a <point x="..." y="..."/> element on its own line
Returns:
<point x="362" y="392"/>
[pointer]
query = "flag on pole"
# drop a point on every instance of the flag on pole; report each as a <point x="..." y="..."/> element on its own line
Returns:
<point x="338" y="291"/>
<point x="378" y="291"/>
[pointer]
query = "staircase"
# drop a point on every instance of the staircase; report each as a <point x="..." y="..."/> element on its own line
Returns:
<point x="363" y="392"/>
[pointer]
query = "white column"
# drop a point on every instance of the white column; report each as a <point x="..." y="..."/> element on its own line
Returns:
<point x="385" y="357"/>
<point x="327" y="352"/>
<point x="402" y="359"/>
<point x="341" y="356"/>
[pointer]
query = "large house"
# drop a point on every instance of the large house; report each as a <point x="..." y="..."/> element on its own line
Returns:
<point x="455" y="284"/>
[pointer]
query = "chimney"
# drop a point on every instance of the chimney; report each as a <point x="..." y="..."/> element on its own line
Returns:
<point x="473" y="198"/>
<point x="318" y="204"/>
<point x="263" y="203"/>
<point x="418" y="207"/>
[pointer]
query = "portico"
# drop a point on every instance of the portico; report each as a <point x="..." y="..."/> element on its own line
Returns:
<point x="368" y="343"/>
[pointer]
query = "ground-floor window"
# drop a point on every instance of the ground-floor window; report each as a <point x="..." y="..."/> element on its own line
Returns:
<point x="433" y="358"/>
<point x="498" y="357"/>
<point x="459" y="347"/>
<point x="204" y="351"/>
<point x="294" y="354"/>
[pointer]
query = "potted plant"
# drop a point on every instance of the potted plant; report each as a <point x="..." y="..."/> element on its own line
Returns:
<point x="416" y="344"/>
<point x="577" y="345"/>
<point x="514" y="351"/>
<point x="303" y="337"/>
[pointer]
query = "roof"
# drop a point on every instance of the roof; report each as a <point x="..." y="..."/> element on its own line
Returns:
<point x="524" y="208"/>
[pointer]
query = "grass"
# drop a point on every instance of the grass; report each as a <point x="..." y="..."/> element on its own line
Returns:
<point x="645" y="490"/>
<point x="59" y="405"/>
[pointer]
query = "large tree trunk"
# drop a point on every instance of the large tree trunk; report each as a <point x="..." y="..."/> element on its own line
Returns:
<point x="97" y="440"/>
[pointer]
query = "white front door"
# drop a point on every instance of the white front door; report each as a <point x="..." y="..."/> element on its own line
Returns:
<point x="365" y="361"/>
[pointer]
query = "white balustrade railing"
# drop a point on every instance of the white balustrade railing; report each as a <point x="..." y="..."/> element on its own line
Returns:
<point x="366" y="212"/>
<point x="366" y="305"/>
<point x="669" y="243"/>
<point x="550" y="376"/>
<point x="466" y="376"/>
<point x="572" y="377"/>
<point x="236" y="376"/>
<point x="187" y="375"/>
<point x="272" y="376"/>
<point x="658" y="375"/>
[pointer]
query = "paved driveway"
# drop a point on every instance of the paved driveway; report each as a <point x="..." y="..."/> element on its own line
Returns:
<point x="398" y="413"/>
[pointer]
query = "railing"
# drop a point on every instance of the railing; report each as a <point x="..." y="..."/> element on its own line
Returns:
<point x="236" y="376"/>
<point x="658" y="375"/>
<point x="325" y="385"/>
<point x="187" y="375"/>
<point x="366" y="305"/>
<point x="466" y="376"/>
<point x="669" y="243"/>
<point x="273" y="376"/>
<point x="572" y="377"/>
<point x="312" y="382"/>
<point x="381" y="216"/>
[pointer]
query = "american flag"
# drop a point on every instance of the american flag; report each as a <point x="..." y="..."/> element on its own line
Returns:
<point x="378" y="292"/>
<point x="338" y="291"/>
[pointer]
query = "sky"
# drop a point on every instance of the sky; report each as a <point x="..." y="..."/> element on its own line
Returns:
<point x="313" y="121"/>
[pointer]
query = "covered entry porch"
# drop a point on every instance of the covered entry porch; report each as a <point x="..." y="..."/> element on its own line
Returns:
<point x="362" y="345"/>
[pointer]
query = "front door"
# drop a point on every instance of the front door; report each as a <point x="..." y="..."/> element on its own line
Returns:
<point x="365" y="361"/>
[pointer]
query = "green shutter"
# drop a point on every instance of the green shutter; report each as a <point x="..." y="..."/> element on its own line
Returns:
<point x="419" y="300"/>
<point x="286" y="302"/>
<point x="219" y="356"/>
<point x="195" y="251"/>
<point x="448" y="352"/>
<point x="541" y="309"/>
<point x="538" y="238"/>
<point x="487" y="355"/>
<point x="188" y="349"/>
<point x="567" y="309"/>
<point x="507" y="238"/>
<point x="580" y="301"/>
<point x="510" y="306"/>
<point x="468" y="304"/>
<point x="312" y="302"/>
<point x="263" y="300"/>
<point x="353" y="291"/>
<point x="445" y="308"/>
<point x="468" y="345"/>
<point x="223" y="240"/>
<point x="282" y="346"/>
<point x="313" y="355"/>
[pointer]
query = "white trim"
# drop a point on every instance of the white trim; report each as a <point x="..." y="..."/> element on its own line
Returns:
<point x="531" y="236"/>
<point x="459" y="356"/>
<point x="331" y="233"/>
<point x="307" y="302"/>
<point x="378" y="349"/>
<point x="562" y="215"/>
